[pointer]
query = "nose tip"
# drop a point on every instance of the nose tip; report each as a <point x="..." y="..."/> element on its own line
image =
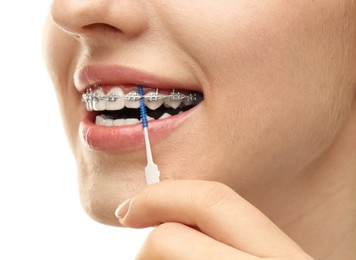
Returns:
<point x="93" y="19"/>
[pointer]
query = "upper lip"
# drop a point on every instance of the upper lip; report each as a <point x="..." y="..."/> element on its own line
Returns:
<point x="111" y="75"/>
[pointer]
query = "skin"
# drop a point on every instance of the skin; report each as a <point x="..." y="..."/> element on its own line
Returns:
<point x="275" y="176"/>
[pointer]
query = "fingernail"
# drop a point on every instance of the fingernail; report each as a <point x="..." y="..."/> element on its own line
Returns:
<point x="122" y="209"/>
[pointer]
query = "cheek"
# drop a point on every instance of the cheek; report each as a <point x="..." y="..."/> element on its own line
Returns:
<point x="270" y="85"/>
<point x="260" y="138"/>
<point x="60" y="52"/>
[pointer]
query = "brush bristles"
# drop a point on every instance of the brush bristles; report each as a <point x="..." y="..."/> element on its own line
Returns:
<point x="142" y="107"/>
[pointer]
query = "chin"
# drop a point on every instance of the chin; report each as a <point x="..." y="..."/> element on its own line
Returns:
<point x="101" y="192"/>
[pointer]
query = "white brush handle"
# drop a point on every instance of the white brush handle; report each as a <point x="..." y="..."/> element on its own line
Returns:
<point x="152" y="174"/>
<point x="151" y="170"/>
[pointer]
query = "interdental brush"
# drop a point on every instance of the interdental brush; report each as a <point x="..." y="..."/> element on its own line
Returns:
<point x="151" y="170"/>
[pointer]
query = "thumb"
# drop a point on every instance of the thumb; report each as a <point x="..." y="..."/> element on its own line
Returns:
<point x="211" y="207"/>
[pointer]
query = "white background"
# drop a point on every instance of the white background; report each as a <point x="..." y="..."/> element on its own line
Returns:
<point x="40" y="213"/>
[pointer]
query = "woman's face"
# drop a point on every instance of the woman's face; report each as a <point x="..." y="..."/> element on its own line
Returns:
<point x="278" y="79"/>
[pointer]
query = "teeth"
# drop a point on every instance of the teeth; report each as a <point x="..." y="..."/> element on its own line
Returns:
<point x="99" y="103"/>
<point x="116" y="100"/>
<point x="119" y="122"/>
<point x="168" y="102"/>
<point x="165" y="115"/>
<point x="174" y="101"/>
<point x="87" y="98"/>
<point x="152" y="102"/>
<point x="131" y="121"/>
<point x="188" y="102"/>
<point x="132" y="100"/>
<point x="109" y="122"/>
<point x="193" y="98"/>
<point x="105" y="121"/>
<point x="115" y="103"/>
<point x="148" y="119"/>
<point x="100" y="120"/>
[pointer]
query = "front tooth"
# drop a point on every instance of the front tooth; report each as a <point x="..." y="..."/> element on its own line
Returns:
<point x="98" y="102"/>
<point x="153" y="104"/>
<point x="132" y="101"/>
<point x="115" y="103"/>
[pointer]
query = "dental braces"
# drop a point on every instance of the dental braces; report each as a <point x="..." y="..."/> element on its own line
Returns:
<point x="89" y="97"/>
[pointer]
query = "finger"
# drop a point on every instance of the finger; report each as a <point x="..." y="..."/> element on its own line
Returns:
<point x="177" y="241"/>
<point x="214" y="209"/>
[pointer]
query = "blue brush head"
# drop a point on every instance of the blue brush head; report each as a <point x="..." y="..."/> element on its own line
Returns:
<point x="142" y="106"/>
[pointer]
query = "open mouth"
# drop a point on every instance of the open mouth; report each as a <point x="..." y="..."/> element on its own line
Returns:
<point x="120" y="105"/>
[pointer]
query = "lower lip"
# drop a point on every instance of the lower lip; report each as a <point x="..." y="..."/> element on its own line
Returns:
<point x="130" y="137"/>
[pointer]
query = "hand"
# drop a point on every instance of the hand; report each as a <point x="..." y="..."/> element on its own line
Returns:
<point x="204" y="220"/>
